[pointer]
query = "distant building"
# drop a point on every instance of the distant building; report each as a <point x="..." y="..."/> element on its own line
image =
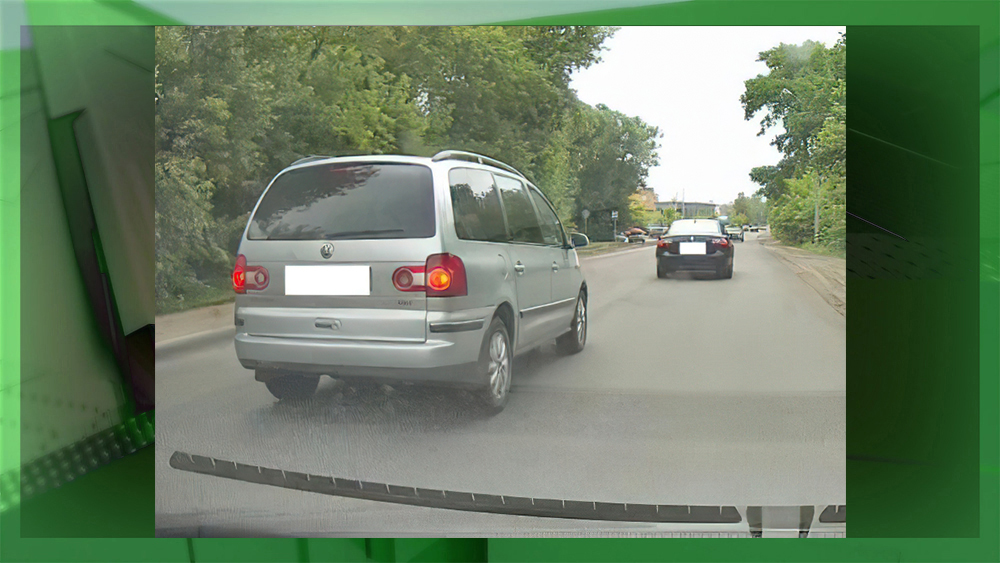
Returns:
<point x="689" y="208"/>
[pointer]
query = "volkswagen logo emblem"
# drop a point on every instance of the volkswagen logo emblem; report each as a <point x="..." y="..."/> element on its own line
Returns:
<point x="326" y="250"/>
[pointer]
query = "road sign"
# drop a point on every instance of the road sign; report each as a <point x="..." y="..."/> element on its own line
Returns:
<point x="614" y="214"/>
<point x="585" y="213"/>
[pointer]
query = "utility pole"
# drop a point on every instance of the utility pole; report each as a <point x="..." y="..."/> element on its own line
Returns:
<point x="817" y="182"/>
<point x="683" y="204"/>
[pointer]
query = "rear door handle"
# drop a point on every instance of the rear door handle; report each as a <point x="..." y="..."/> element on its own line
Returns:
<point x="328" y="323"/>
<point x="519" y="267"/>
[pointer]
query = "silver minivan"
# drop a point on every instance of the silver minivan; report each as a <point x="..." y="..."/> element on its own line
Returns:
<point x="404" y="269"/>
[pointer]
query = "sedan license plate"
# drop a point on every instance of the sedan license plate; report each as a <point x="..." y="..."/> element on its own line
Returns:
<point x="693" y="248"/>
<point x="328" y="280"/>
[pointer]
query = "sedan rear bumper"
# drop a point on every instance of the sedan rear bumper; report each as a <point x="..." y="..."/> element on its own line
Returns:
<point x="704" y="263"/>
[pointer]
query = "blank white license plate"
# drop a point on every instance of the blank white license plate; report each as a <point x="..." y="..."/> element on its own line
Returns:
<point x="693" y="248"/>
<point x="328" y="280"/>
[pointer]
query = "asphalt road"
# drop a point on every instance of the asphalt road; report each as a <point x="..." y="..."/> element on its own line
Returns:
<point x="690" y="391"/>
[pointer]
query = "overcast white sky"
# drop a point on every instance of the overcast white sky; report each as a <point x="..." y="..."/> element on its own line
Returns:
<point x="687" y="81"/>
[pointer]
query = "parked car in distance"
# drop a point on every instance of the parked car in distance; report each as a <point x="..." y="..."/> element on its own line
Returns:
<point x="735" y="233"/>
<point x="695" y="245"/>
<point x="657" y="232"/>
<point x="636" y="235"/>
<point x="402" y="268"/>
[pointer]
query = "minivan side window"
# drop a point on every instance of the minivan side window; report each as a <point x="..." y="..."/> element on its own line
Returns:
<point x="521" y="218"/>
<point x="552" y="231"/>
<point x="476" y="206"/>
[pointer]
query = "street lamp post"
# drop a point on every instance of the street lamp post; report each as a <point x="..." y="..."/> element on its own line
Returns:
<point x="816" y="217"/>
<point x="817" y="180"/>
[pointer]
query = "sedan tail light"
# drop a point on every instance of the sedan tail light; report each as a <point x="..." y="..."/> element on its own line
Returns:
<point x="721" y="242"/>
<point x="249" y="277"/>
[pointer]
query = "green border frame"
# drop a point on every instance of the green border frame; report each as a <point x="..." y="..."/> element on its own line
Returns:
<point x="984" y="14"/>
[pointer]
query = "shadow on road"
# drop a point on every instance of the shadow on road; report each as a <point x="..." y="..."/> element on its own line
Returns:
<point x="693" y="276"/>
<point x="413" y="406"/>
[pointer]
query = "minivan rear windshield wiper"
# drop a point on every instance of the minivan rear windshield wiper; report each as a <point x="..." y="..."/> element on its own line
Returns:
<point x="359" y="233"/>
<point x="344" y="234"/>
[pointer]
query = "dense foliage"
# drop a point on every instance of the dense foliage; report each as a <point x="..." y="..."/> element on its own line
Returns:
<point x="805" y="92"/>
<point x="235" y="105"/>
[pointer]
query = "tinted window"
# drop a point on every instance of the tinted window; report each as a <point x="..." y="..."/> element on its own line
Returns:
<point x="551" y="230"/>
<point x="476" y="206"/>
<point x="520" y="214"/>
<point x="347" y="201"/>
<point x="690" y="227"/>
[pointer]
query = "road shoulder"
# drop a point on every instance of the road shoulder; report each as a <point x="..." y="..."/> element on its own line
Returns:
<point x="193" y="322"/>
<point x="827" y="275"/>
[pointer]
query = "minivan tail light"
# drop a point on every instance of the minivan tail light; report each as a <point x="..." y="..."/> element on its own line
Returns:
<point x="409" y="278"/>
<point x="445" y="275"/>
<point x="249" y="277"/>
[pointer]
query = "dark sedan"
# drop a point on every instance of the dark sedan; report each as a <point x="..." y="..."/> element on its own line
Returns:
<point x="695" y="245"/>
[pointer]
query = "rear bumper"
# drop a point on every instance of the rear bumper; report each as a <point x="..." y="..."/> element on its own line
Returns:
<point x="448" y="354"/>
<point x="678" y="262"/>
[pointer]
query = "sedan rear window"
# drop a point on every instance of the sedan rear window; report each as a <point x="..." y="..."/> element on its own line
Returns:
<point x="347" y="201"/>
<point x="688" y="227"/>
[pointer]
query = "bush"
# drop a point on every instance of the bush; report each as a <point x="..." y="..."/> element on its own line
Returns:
<point x="791" y="219"/>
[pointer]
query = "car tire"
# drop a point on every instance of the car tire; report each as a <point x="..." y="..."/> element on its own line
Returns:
<point x="292" y="386"/>
<point x="661" y="272"/>
<point x="496" y="360"/>
<point x="573" y="341"/>
<point x="729" y="272"/>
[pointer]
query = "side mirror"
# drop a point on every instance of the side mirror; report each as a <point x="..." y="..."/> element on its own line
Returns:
<point x="579" y="240"/>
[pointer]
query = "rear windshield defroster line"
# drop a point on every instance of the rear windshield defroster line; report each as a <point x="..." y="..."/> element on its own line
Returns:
<point x="342" y="201"/>
<point x="456" y="500"/>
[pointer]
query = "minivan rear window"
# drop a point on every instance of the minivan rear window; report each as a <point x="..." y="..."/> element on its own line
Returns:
<point x="347" y="201"/>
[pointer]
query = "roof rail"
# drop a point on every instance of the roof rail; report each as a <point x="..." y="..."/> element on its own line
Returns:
<point x="473" y="157"/>
<point x="309" y="158"/>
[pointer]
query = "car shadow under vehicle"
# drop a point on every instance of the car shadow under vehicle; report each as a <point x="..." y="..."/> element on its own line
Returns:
<point x="693" y="275"/>
<point x="417" y="406"/>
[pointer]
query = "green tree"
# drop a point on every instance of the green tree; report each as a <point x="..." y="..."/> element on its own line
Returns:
<point x="805" y="92"/>
<point x="236" y="105"/>
<point x="614" y="153"/>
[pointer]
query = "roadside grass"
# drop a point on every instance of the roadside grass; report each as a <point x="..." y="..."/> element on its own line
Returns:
<point x="215" y="292"/>
<point x="823" y="250"/>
